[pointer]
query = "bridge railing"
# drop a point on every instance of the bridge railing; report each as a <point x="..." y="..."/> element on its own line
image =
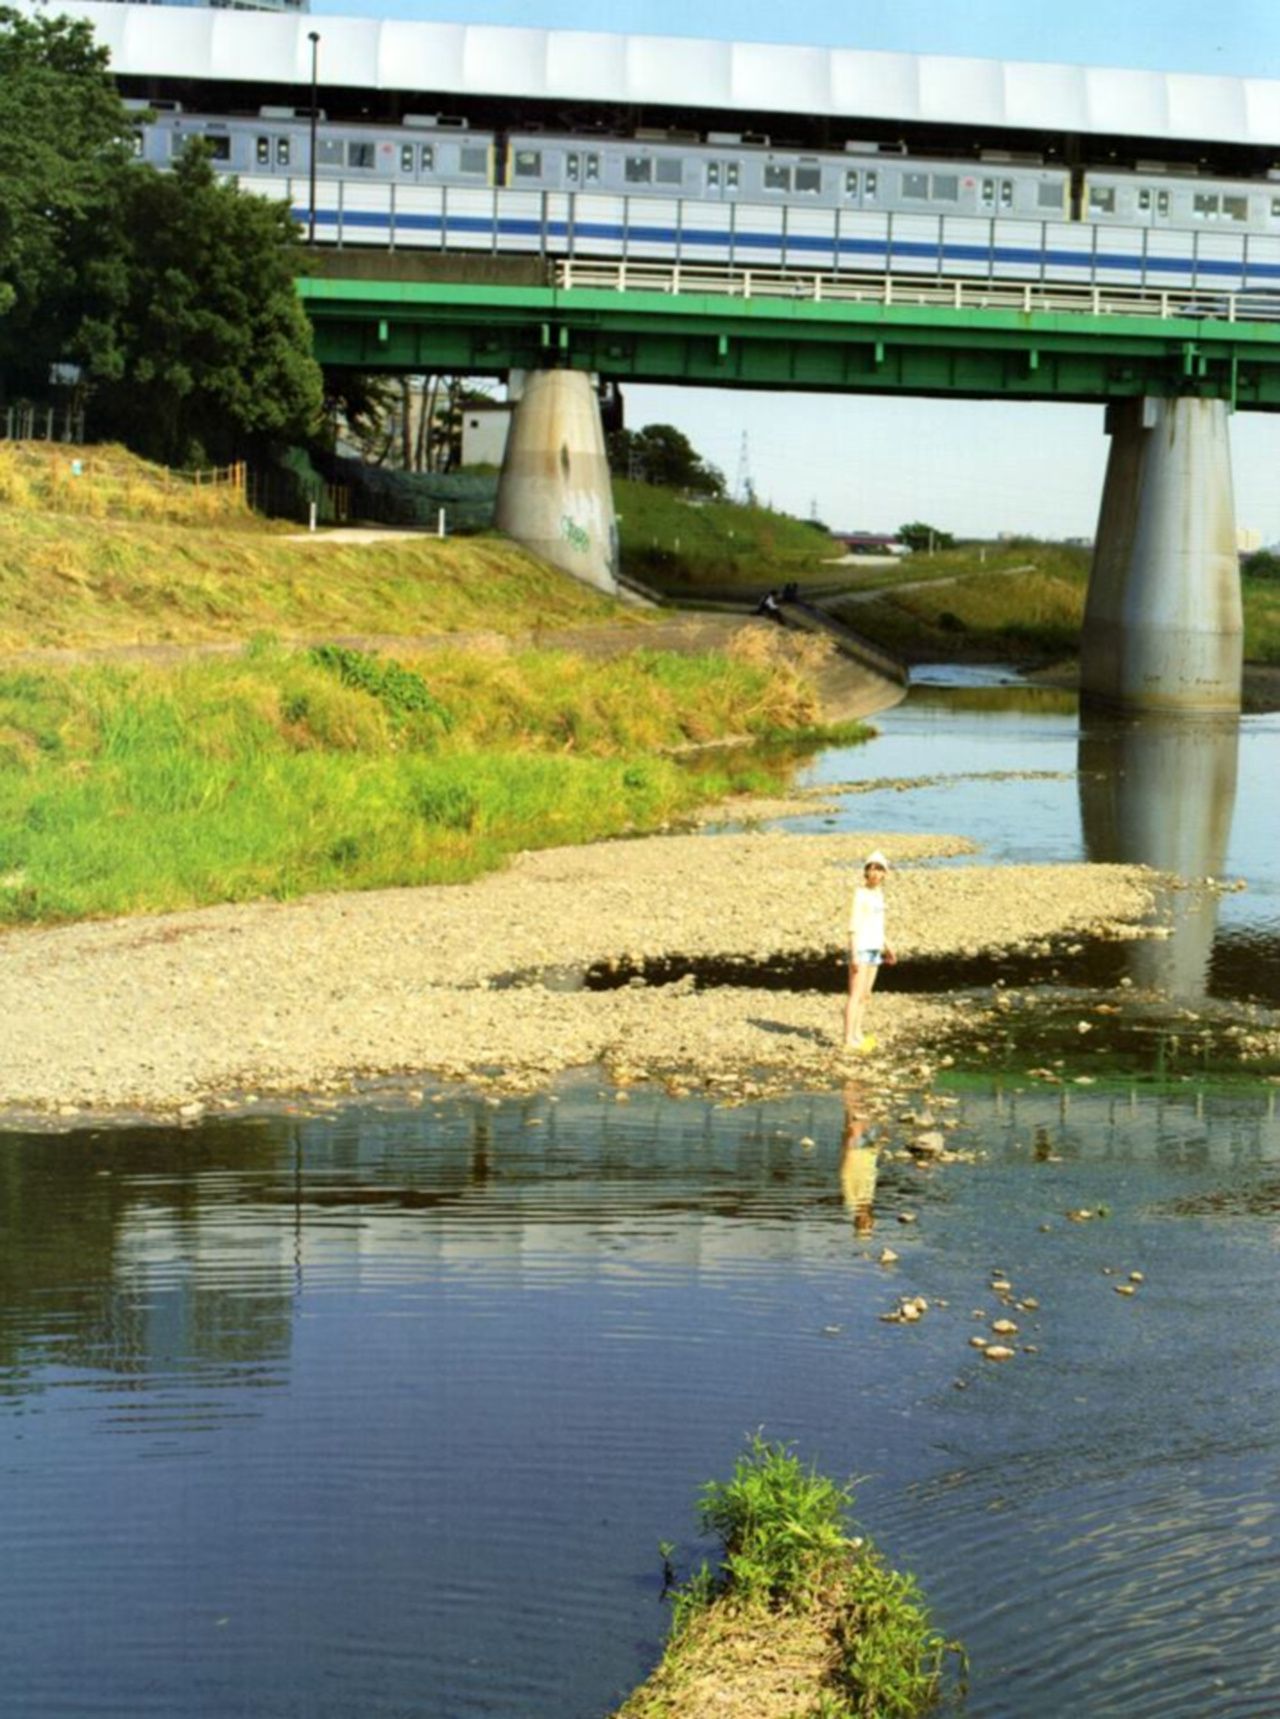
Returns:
<point x="953" y="293"/>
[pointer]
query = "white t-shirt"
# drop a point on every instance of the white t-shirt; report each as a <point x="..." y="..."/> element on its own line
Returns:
<point x="866" y="921"/>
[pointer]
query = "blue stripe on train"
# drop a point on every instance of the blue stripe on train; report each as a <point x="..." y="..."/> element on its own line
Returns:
<point x="879" y="249"/>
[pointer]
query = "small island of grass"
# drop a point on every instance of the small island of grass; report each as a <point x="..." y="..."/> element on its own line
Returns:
<point x="798" y="1620"/>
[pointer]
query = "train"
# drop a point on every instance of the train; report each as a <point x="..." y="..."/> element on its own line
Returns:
<point x="732" y="198"/>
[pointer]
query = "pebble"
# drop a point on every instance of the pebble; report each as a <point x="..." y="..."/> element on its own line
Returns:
<point x="1124" y="1289"/>
<point x="906" y="1217"/>
<point x="1003" y="1327"/>
<point x="888" y="1257"/>
<point x="997" y="1352"/>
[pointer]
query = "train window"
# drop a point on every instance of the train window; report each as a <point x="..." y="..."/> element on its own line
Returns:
<point x="283" y="152"/>
<point x="1205" y="204"/>
<point x="851" y="183"/>
<point x="528" y="164"/>
<point x="1102" y="200"/>
<point x="329" y="152"/>
<point x="1235" y="208"/>
<point x="593" y="169"/>
<point x="713" y="175"/>
<point x="1144" y="200"/>
<point x="946" y="187"/>
<point x="360" y="155"/>
<point x="262" y="151"/>
<point x="406" y="158"/>
<point x="872" y="184"/>
<point x="219" y="147"/>
<point x="473" y="160"/>
<point x="809" y="179"/>
<point x="1006" y="193"/>
<point x="1162" y="202"/>
<point x="427" y="158"/>
<point x="731" y="175"/>
<point x="777" y="178"/>
<point x="638" y="170"/>
<point x="670" y="170"/>
<point x="1050" y="196"/>
<point x="1275" y="205"/>
<point x="915" y="184"/>
<point x="573" y="167"/>
<point x="988" y="193"/>
<point x="137" y="143"/>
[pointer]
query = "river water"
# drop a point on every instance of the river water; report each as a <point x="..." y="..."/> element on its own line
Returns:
<point x="383" y="1411"/>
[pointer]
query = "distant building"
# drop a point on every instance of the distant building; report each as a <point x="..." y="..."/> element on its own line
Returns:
<point x="484" y="433"/>
<point x="1247" y="539"/>
<point x="871" y="543"/>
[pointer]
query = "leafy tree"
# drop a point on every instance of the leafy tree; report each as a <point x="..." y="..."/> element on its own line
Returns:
<point x="918" y="536"/>
<point x="662" y="455"/>
<point x="65" y="140"/>
<point x="201" y="346"/>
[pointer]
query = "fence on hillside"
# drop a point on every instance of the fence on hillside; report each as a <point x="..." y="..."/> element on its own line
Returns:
<point x="24" y="421"/>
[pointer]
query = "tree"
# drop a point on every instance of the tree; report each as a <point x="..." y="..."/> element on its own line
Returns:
<point x="662" y="455"/>
<point x="919" y="536"/>
<point x="65" y="141"/>
<point x="201" y="347"/>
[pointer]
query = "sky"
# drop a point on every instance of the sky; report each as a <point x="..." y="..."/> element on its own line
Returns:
<point x="855" y="461"/>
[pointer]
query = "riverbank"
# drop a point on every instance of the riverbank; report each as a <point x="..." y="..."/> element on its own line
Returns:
<point x="175" y="1013"/>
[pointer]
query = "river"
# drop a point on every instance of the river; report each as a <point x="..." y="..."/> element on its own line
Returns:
<point x="384" y="1410"/>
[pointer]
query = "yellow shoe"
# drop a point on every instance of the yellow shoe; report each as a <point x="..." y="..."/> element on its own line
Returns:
<point x="868" y="1044"/>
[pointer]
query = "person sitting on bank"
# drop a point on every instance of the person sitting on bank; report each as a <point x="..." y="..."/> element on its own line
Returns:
<point x="770" y="606"/>
<point x="867" y="949"/>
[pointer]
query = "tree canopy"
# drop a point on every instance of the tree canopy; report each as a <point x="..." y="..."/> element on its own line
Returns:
<point x="173" y="292"/>
<point x="921" y="536"/>
<point x="660" y="454"/>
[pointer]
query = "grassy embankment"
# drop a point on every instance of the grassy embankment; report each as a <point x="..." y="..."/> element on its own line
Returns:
<point x="797" y="1619"/>
<point x="1016" y="602"/>
<point x="275" y="769"/>
<point x="716" y="548"/>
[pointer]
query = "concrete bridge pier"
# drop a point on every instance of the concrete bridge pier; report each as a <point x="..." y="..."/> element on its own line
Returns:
<point x="1163" y="628"/>
<point x="554" y="494"/>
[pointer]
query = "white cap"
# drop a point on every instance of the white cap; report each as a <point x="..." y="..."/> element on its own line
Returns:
<point x="876" y="858"/>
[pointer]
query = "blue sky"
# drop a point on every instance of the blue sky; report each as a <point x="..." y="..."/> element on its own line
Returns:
<point x="969" y="467"/>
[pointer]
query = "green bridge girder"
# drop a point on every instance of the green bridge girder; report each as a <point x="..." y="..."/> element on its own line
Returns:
<point x="709" y="340"/>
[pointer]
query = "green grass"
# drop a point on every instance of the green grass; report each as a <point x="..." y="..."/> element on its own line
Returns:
<point x="1017" y="602"/>
<point x="792" y="1589"/>
<point x="278" y="772"/>
<point x="685" y="547"/>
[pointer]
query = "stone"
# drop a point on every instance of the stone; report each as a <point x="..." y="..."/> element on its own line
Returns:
<point x="997" y="1352"/>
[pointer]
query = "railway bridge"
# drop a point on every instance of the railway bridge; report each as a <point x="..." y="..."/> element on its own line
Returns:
<point x="1137" y="287"/>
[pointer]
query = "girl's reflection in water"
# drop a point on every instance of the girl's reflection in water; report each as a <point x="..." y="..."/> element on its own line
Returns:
<point x="858" y="1161"/>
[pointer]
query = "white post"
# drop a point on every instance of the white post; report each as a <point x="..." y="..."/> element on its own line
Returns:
<point x="311" y="520"/>
<point x="440" y="523"/>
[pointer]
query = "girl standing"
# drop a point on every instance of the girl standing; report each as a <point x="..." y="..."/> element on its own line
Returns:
<point x="867" y="949"/>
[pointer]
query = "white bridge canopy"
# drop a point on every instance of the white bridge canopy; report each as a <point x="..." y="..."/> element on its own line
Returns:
<point x="655" y="71"/>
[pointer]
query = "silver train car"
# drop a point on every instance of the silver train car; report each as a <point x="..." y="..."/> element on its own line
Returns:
<point x="732" y="200"/>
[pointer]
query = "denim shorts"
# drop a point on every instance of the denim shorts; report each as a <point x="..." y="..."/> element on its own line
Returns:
<point x="868" y="957"/>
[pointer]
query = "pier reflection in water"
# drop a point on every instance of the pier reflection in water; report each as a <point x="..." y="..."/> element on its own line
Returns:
<point x="1161" y="791"/>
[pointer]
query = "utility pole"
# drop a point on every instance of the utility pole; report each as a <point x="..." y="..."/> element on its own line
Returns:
<point x="313" y="36"/>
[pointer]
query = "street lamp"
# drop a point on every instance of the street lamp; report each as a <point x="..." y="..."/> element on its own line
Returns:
<point x="313" y="36"/>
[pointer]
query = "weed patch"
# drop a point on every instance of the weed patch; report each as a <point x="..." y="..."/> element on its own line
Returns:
<point x="796" y="1618"/>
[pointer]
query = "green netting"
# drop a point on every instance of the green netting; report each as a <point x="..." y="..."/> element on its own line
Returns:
<point x="415" y="498"/>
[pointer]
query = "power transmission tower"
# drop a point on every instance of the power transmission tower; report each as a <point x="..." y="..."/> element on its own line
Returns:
<point x="744" y="490"/>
